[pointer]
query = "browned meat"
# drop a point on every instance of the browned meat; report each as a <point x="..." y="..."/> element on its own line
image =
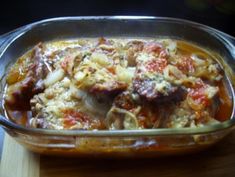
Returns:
<point x="145" y="114"/>
<point x="103" y="40"/>
<point x="19" y="94"/>
<point x="126" y="101"/>
<point x="149" y="81"/>
<point x="133" y="48"/>
<point x="153" y="89"/>
<point x="158" y="90"/>
<point x="112" y="87"/>
<point x="40" y="65"/>
<point x="153" y="47"/>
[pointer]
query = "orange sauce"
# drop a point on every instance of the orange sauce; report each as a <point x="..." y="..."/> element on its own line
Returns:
<point x="19" y="117"/>
<point x="223" y="111"/>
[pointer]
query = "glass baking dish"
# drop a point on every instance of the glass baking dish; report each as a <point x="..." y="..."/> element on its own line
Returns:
<point x="117" y="143"/>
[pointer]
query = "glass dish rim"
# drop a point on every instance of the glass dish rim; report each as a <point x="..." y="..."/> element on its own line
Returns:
<point x="117" y="133"/>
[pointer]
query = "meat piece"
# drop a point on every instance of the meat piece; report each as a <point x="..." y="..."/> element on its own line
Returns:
<point x="21" y="92"/>
<point x="18" y="95"/>
<point x="133" y="48"/>
<point x="40" y="65"/>
<point x="103" y="40"/>
<point x="153" y="47"/>
<point x="149" y="81"/>
<point x="129" y="111"/>
<point x="126" y="100"/>
<point x="123" y="113"/>
<point x="111" y="87"/>
<point x="157" y="89"/>
<point x="97" y="75"/>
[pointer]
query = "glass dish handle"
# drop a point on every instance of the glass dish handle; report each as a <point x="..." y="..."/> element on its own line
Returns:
<point x="230" y="40"/>
<point x="2" y="120"/>
<point x="1" y="40"/>
<point x="5" y="37"/>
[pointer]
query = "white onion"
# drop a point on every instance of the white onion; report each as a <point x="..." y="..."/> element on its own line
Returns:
<point x="100" y="58"/>
<point x="172" y="47"/>
<point x="119" y="118"/>
<point x="211" y="91"/>
<point x="54" y="77"/>
<point x="125" y="74"/>
<point x="79" y="76"/>
<point x="77" y="93"/>
<point x="94" y="106"/>
<point x="197" y="60"/>
<point x="194" y="105"/>
<point x="172" y="70"/>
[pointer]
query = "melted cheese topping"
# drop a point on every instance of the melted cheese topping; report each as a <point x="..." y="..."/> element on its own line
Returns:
<point x="116" y="84"/>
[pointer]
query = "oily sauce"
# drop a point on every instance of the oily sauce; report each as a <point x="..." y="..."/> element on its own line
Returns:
<point x="222" y="112"/>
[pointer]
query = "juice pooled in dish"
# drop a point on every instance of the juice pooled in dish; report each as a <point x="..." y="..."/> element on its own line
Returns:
<point x="95" y="84"/>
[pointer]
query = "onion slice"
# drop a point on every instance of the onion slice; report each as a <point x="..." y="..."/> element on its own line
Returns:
<point x="121" y="119"/>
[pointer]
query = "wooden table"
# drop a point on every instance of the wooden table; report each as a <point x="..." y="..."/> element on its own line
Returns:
<point x="218" y="161"/>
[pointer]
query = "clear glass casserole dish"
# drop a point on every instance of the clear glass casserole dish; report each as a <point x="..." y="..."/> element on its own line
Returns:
<point x="141" y="143"/>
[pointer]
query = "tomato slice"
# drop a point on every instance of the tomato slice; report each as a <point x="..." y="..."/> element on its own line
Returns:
<point x="71" y="117"/>
<point x="153" y="47"/>
<point x="186" y="65"/>
<point x="156" y="65"/>
<point x="197" y="93"/>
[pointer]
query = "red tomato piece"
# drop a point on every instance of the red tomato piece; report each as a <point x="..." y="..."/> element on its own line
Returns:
<point x="69" y="122"/>
<point x="156" y="65"/>
<point x="71" y="117"/>
<point x="198" y="94"/>
<point x="186" y="65"/>
<point x="111" y="70"/>
<point x="153" y="47"/>
<point x="64" y="64"/>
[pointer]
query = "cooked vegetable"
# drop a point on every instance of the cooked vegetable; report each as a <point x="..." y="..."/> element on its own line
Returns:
<point x="117" y="84"/>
